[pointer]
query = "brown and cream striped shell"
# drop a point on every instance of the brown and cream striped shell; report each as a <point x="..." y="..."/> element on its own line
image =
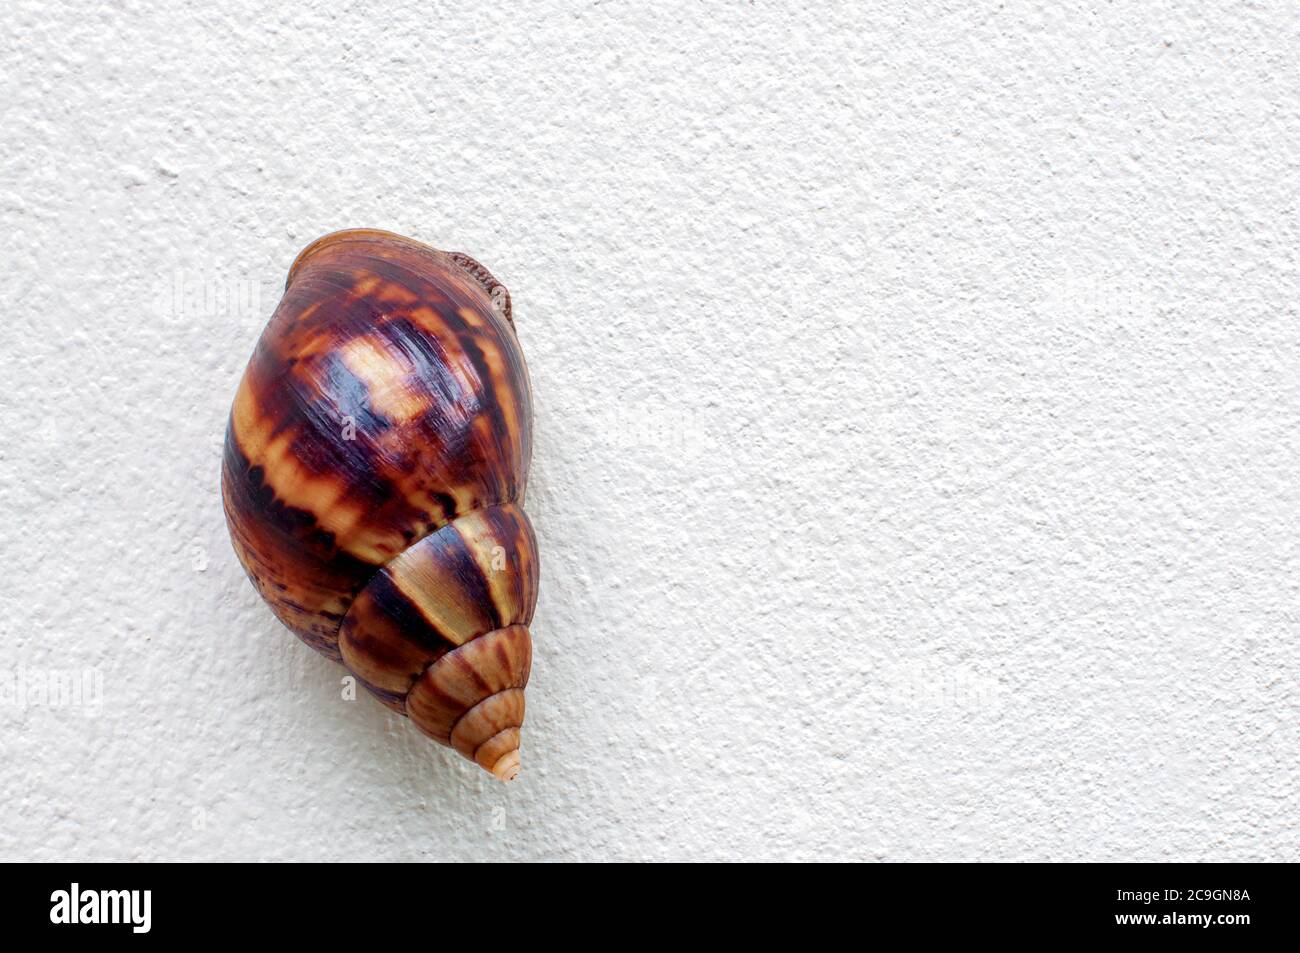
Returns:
<point x="373" y="480"/>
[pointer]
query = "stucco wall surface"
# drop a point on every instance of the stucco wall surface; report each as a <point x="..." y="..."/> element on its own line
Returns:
<point x="916" y="389"/>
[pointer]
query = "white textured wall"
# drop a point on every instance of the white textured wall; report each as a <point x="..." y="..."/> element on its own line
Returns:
<point x="916" y="409"/>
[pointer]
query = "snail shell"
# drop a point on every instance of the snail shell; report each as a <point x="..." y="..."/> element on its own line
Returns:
<point x="373" y="480"/>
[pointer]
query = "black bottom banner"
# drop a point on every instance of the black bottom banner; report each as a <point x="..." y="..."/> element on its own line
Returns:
<point x="132" y="904"/>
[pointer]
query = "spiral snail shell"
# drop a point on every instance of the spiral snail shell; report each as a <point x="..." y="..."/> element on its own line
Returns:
<point x="373" y="480"/>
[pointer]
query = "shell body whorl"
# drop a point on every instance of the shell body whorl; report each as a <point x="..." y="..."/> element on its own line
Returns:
<point x="373" y="480"/>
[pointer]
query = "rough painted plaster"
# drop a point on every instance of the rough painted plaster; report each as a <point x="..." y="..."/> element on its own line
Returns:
<point x="916" y="407"/>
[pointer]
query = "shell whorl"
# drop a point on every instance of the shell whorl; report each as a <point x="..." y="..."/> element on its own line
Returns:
<point x="441" y="632"/>
<point x="373" y="480"/>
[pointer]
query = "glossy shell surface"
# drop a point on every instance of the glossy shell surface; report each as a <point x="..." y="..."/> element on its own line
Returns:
<point x="374" y="475"/>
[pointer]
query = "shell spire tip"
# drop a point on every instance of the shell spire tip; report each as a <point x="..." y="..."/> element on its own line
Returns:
<point x="507" y="767"/>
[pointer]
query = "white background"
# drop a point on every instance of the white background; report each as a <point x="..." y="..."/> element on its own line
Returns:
<point x="916" y="384"/>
